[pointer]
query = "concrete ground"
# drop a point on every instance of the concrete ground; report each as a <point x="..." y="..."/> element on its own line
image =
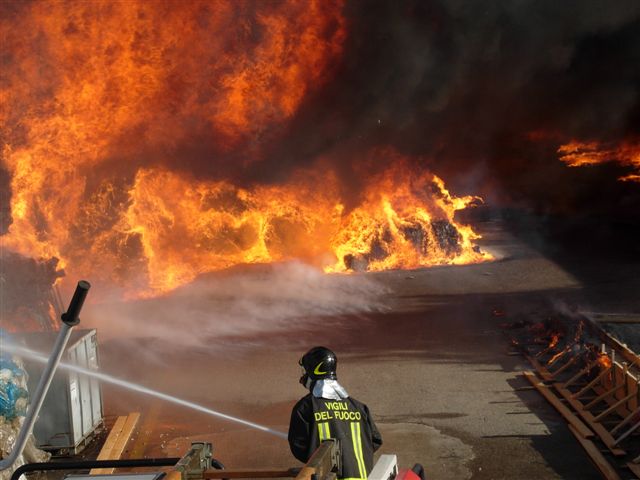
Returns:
<point x="433" y="367"/>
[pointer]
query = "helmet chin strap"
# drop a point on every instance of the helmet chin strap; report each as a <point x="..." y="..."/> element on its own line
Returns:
<point x="308" y="383"/>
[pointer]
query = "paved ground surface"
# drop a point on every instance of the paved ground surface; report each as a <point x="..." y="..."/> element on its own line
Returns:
<point x="433" y="368"/>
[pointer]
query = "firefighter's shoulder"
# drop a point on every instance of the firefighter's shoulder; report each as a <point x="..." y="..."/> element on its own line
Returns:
<point x="304" y="404"/>
<point x="359" y="405"/>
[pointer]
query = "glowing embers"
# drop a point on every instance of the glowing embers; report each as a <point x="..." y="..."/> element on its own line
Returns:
<point x="578" y="154"/>
<point x="604" y="360"/>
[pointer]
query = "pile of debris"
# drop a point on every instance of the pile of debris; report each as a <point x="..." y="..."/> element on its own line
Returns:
<point x="442" y="233"/>
<point x="14" y="399"/>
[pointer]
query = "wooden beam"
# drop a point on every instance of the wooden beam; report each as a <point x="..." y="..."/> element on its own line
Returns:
<point x="602" y="396"/>
<point x="627" y="433"/>
<point x="558" y="356"/>
<point x="635" y="413"/>
<point x="588" y="417"/>
<point x="541" y="369"/>
<point x="546" y="350"/>
<point x="632" y="387"/>
<point x="127" y="430"/>
<point x="635" y="468"/>
<point x="306" y="473"/>
<point x="568" y="415"/>
<point x="598" y="459"/>
<point x="613" y="407"/>
<point x="579" y="375"/>
<point x="116" y="430"/>
<point x="120" y="442"/>
<point x="589" y="385"/>
<point x="571" y="361"/>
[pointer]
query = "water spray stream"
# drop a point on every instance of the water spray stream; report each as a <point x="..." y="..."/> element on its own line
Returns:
<point x="22" y="351"/>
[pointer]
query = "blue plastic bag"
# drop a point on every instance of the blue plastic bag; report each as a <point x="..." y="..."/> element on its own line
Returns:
<point x="12" y="376"/>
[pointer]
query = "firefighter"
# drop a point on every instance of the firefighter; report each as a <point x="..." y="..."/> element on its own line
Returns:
<point x="329" y="412"/>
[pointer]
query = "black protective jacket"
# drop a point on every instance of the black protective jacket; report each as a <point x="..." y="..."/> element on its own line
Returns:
<point x="316" y="419"/>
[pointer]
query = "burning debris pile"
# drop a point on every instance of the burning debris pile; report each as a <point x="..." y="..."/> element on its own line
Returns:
<point x="591" y="379"/>
<point x="405" y="221"/>
<point x="440" y="235"/>
<point x="168" y="228"/>
<point x="26" y="291"/>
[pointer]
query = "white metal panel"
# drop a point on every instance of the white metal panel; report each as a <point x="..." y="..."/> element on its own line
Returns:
<point x="385" y="469"/>
<point x="74" y="402"/>
<point x="96" y="393"/>
<point x="85" y="389"/>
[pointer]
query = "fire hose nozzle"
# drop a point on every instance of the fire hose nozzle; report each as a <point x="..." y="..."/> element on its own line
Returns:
<point x="71" y="317"/>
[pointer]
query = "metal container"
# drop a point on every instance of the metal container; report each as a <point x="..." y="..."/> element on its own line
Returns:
<point x="72" y="409"/>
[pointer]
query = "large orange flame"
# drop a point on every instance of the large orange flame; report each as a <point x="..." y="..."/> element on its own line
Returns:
<point x="578" y="154"/>
<point x="171" y="227"/>
<point x="99" y="95"/>
<point x="86" y="82"/>
<point x="188" y="227"/>
<point x="406" y="220"/>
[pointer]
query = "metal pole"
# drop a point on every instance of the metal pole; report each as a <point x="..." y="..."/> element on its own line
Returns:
<point x="69" y="320"/>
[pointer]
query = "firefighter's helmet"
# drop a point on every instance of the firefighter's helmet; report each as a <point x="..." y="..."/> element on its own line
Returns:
<point x="319" y="363"/>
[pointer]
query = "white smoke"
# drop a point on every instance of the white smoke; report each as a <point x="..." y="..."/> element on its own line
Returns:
<point x="241" y="302"/>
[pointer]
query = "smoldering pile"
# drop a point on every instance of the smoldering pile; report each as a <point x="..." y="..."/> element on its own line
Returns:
<point x="555" y="331"/>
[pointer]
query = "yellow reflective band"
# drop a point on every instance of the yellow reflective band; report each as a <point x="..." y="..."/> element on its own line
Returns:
<point x="317" y="371"/>
<point x="323" y="431"/>
<point x="357" y="448"/>
<point x="364" y="467"/>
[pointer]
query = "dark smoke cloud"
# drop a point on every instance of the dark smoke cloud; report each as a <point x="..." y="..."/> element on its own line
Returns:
<point x="484" y="93"/>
